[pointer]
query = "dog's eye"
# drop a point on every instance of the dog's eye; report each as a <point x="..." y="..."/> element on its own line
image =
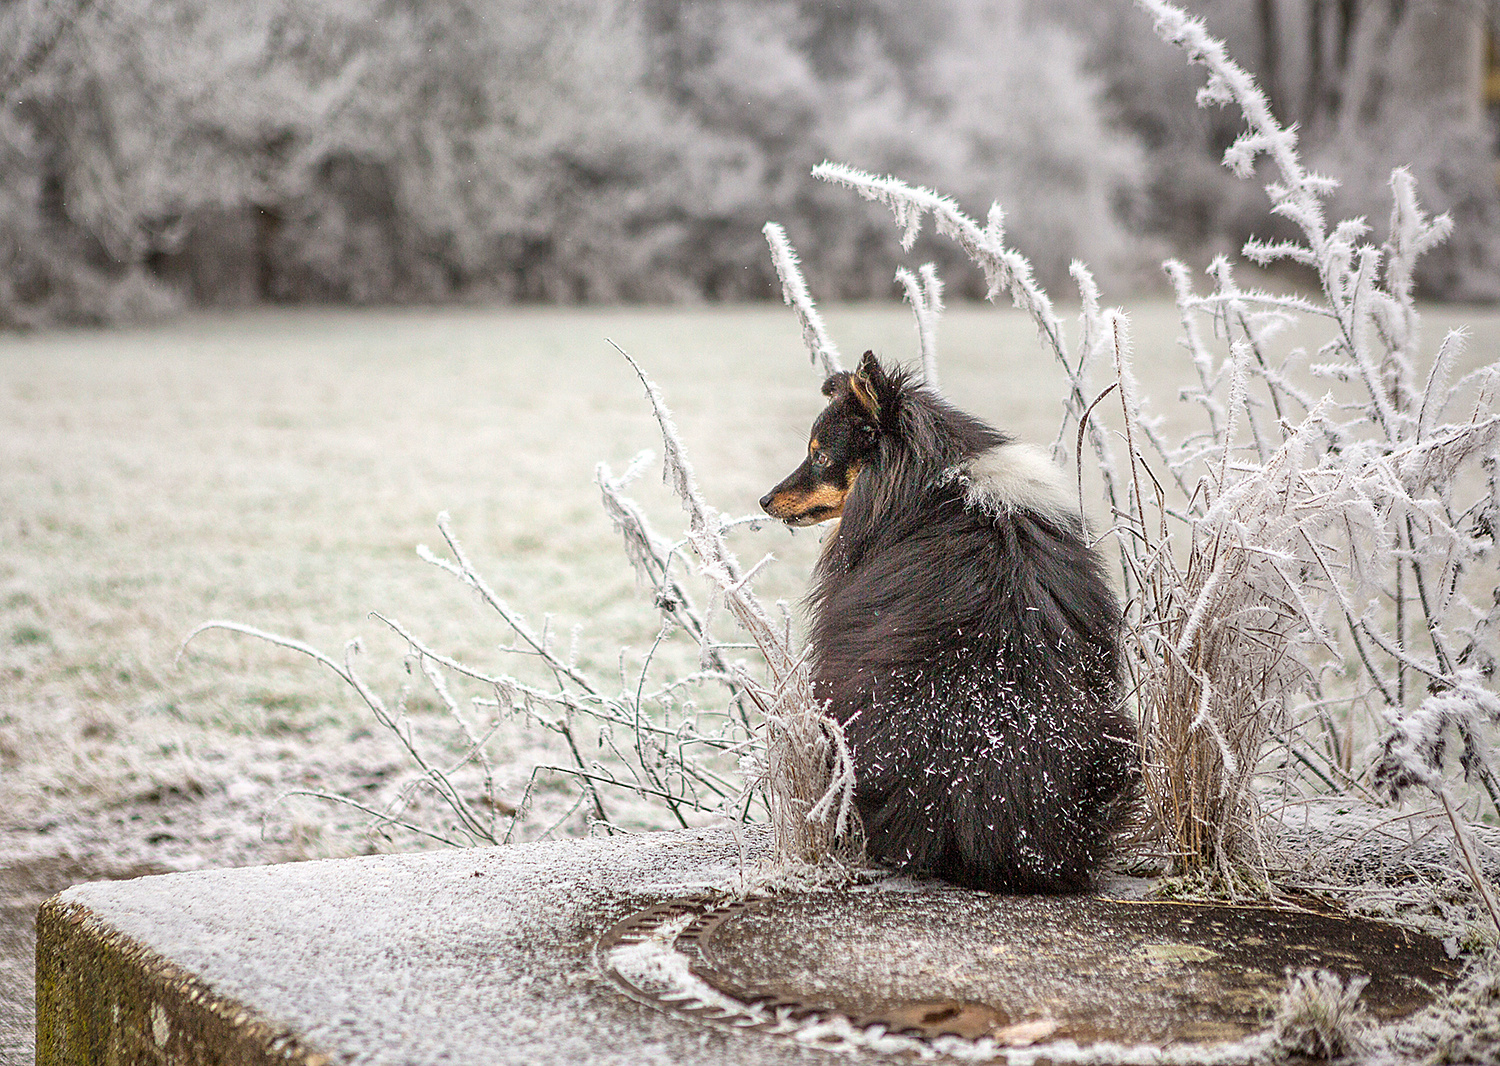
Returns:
<point x="820" y="460"/>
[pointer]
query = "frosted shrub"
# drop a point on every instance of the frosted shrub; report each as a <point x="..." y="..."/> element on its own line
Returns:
<point x="1320" y="1017"/>
<point x="1364" y="520"/>
<point x="697" y="746"/>
<point x="1311" y="552"/>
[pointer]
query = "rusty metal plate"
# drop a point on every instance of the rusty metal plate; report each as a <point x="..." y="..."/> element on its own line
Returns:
<point x="941" y="964"/>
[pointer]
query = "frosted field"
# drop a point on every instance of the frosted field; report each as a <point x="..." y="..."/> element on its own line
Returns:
<point x="278" y="469"/>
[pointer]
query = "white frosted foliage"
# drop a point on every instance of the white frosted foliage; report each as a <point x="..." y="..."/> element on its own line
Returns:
<point x="1315" y="564"/>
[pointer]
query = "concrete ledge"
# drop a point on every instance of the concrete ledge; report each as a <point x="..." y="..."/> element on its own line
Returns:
<point x="476" y="956"/>
<point x="104" y="998"/>
<point x="627" y="950"/>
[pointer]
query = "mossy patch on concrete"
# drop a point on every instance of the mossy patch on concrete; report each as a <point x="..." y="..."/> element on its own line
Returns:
<point x="105" y="998"/>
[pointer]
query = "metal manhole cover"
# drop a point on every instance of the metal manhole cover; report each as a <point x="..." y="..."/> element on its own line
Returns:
<point x="942" y="965"/>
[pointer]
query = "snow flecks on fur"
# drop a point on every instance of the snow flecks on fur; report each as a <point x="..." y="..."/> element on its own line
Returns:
<point x="963" y="634"/>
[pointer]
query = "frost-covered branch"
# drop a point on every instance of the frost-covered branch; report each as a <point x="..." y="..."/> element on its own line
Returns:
<point x="926" y="298"/>
<point x="794" y="293"/>
<point x="1005" y="270"/>
<point x="805" y="771"/>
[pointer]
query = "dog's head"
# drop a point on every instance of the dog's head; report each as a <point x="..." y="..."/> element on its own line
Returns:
<point x="844" y="438"/>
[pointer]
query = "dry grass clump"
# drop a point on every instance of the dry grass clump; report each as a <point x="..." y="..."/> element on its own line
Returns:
<point x="807" y="774"/>
<point x="1207" y="704"/>
<point x="1320" y="1016"/>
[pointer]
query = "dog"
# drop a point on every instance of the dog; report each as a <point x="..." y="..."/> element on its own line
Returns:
<point x="963" y="633"/>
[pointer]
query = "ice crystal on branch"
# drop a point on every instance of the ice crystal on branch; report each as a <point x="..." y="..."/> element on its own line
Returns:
<point x="794" y="292"/>
<point x="926" y="299"/>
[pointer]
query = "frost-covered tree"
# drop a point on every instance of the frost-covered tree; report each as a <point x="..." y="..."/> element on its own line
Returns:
<point x="154" y="141"/>
<point x="981" y="97"/>
<point x="1021" y="117"/>
<point x="518" y="149"/>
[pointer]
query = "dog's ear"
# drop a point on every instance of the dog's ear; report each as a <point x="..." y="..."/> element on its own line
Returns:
<point x="834" y="382"/>
<point x="871" y="387"/>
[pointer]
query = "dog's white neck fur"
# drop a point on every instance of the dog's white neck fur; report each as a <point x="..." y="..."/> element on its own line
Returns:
<point x="1017" y="477"/>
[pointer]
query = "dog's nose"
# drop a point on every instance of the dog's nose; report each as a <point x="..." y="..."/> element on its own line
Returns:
<point x="765" y="502"/>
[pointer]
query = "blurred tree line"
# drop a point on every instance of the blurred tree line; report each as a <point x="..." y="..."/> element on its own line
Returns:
<point x="156" y="152"/>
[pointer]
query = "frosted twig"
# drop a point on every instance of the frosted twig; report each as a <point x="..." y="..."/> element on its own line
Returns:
<point x="1005" y="269"/>
<point x="926" y="299"/>
<point x="794" y="293"/>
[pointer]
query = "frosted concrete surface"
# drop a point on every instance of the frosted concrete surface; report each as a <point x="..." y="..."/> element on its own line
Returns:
<point x="629" y="950"/>
<point x="475" y="956"/>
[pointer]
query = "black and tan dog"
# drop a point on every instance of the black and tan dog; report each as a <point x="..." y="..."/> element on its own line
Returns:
<point x="964" y="634"/>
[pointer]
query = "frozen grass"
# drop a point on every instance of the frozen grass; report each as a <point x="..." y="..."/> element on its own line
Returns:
<point x="1319" y="1016"/>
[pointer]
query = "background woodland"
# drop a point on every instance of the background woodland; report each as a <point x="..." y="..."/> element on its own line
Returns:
<point x="156" y="154"/>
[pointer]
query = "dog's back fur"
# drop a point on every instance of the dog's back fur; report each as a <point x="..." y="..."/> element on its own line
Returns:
<point x="965" y="636"/>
